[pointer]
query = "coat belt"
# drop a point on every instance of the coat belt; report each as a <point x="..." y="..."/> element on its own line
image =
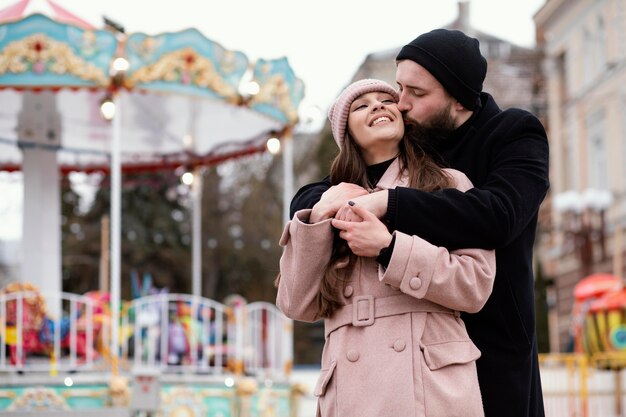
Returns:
<point x="365" y="309"/>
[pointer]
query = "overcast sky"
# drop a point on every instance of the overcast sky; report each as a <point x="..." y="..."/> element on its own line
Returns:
<point x="325" y="41"/>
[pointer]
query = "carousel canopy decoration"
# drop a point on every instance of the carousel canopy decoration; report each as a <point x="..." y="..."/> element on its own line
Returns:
<point x="167" y="63"/>
<point x="37" y="52"/>
<point x="181" y="95"/>
<point x="280" y="91"/>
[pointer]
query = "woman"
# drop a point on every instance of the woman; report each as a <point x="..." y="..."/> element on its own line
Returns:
<point x="395" y="342"/>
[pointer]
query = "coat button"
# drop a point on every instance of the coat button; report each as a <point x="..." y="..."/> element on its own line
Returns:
<point x="348" y="291"/>
<point x="352" y="355"/>
<point x="399" y="345"/>
<point x="415" y="283"/>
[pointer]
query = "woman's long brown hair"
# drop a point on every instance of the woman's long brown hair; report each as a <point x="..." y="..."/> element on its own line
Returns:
<point x="349" y="166"/>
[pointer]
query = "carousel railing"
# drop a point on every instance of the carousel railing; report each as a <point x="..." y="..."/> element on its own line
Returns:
<point x="33" y="339"/>
<point x="177" y="332"/>
<point x="265" y="349"/>
<point x="168" y="333"/>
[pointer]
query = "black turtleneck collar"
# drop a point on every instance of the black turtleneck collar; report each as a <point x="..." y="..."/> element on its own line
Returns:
<point x="376" y="171"/>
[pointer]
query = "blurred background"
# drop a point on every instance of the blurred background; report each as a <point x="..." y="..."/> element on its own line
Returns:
<point x="563" y="60"/>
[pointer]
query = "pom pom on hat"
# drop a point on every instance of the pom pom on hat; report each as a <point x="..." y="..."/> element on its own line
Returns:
<point x="338" y="112"/>
<point x="454" y="59"/>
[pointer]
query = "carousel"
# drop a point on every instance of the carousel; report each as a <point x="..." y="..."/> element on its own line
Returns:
<point x="598" y="316"/>
<point x="77" y="98"/>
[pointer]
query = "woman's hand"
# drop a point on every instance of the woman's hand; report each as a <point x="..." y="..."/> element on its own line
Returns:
<point x="333" y="199"/>
<point x="365" y="237"/>
<point x="375" y="203"/>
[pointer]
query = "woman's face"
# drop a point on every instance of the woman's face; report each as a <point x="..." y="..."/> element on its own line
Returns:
<point x="375" y="124"/>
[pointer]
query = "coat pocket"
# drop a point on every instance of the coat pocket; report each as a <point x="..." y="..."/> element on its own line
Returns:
<point x="324" y="378"/>
<point x="440" y="355"/>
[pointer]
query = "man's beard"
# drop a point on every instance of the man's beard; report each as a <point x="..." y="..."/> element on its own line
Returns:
<point x="438" y="128"/>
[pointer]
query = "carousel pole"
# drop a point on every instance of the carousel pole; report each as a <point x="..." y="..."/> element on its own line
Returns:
<point x="287" y="173"/>
<point x="196" y="195"/>
<point x="119" y="66"/>
<point x="104" y="257"/>
<point x="116" y="228"/>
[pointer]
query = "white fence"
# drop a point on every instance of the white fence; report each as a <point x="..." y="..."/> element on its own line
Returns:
<point x="176" y="333"/>
<point x="575" y="385"/>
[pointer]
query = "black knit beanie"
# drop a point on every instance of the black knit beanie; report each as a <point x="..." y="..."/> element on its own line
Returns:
<point x="454" y="59"/>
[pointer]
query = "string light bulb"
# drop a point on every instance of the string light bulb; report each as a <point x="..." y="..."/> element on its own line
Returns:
<point x="107" y="108"/>
<point x="273" y="145"/>
<point x="187" y="178"/>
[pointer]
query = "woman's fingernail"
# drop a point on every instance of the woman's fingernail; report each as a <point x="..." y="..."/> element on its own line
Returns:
<point x="351" y="203"/>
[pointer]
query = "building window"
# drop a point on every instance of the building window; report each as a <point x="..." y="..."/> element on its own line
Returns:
<point x="571" y="162"/>
<point x="594" y="51"/>
<point x="495" y="50"/>
<point x="588" y="57"/>
<point x="564" y="77"/>
<point x="598" y="172"/>
<point x="504" y="48"/>
<point x="600" y="47"/>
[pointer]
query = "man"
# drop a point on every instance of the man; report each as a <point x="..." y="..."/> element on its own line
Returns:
<point x="505" y="155"/>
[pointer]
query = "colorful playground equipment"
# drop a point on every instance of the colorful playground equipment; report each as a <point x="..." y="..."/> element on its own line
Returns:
<point x="157" y="330"/>
<point x="598" y="315"/>
<point x="219" y="349"/>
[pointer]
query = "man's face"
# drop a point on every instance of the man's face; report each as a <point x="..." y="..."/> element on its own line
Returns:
<point x="423" y="101"/>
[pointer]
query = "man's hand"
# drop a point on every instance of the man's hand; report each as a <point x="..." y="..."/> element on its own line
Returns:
<point x="333" y="199"/>
<point x="375" y="203"/>
<point x="366" y="236"/>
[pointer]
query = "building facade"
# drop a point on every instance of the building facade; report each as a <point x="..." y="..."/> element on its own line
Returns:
<point x="584" y="66"/>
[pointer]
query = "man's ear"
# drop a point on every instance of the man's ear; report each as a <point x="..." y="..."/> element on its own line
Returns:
<point x="461" y="114"/>
<point x="459" y="107"/>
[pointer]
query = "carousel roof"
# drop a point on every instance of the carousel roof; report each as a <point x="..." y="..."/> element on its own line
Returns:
<point x="181" y="96"/>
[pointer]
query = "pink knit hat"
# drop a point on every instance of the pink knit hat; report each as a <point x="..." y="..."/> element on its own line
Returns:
<point x="338" y="112"/>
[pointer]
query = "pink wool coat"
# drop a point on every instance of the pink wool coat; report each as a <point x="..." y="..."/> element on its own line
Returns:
<point x="398" y="347"/>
